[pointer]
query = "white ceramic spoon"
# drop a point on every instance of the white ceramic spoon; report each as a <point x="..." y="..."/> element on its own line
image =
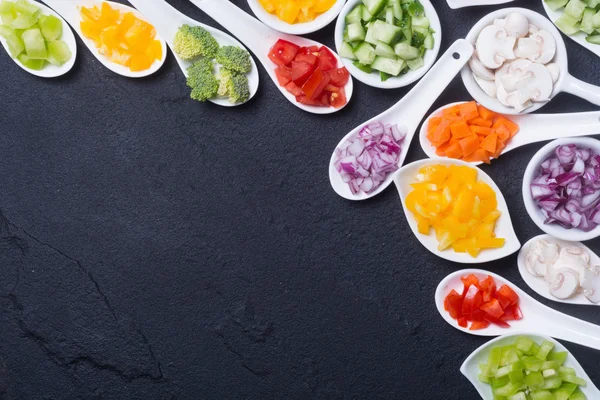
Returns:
<point x="470" y="368"/>
<point x="504" y="229"/>
<point x="49" y="70"/>
<point x="69" y="10"/>
<point x="408" y="112"/>
<point x="537" y="318"/>
<point x="538" y="284"/>
<point x="454" y="4"/>
<point x="167" y="20"/>
<point x="259" y="39"/>
<point x="373" y="79"/>
<point x="321" y="21"/>
<point x="532" y="128"/>
<point x="579" y="37"/>
<point x="565" y="83"/>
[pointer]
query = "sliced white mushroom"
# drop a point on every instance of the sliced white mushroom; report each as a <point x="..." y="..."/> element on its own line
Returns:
<point x="516" y="25"/>
<point x="479" y="69"/>
<point x="533" y="29"/>
<point x="494" y="46"/>
<point x="540" y="256"/>
<point x="529" y="48"/>
<point x="511" y="99"/>
<point x="590" y="283"/>
<point x="547" y="45"/>
<point x="554" y="70"/>
<point x="489" y="87"/>
<point x="500" y="22"/>
<point x="574" y="256"/>
<point x="511" y="73"/>
<point x="549" y="250"/>
<point x="565" y="283"/>
<point x="535" y="264"/>
<point x="539" y="87"/>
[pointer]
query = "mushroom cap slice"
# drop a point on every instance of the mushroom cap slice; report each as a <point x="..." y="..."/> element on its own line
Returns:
<point x="489" y="87"/>
<point x="479" y="69"/>
<point x="494" y="46"/>
<point x="529" y="48"/>
<point x="548" y="46"/>
<point x="512" y="99"/>
<point x="535" y="264"/>
<point x="590" y="283"/>
<point x="533" y="29"/>
<point x="554" y="70"/>
<point x="516" y="25"/>
<point x="540" y="256"/>
<point x="539" y="87"/>
<point x="565" y="284"/>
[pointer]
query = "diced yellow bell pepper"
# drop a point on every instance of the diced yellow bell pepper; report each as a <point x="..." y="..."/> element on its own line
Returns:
<point x="490" y="243"/>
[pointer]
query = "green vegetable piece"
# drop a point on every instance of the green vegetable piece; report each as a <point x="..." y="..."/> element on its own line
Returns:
<point x="594" y="39"/>
<point x="35" y="46"/>
<point x="396" y="9"/>
<point x="202" y="80"/>
<point x="524" y="344"/>
<point x="234" y="58"/>
<point x="578" y="395"/>
<point x="8" y="17"/>
<point x="366" y="15"/>
<point x="508" y="390"/>
<point x="567" y="388"/>
<point x="374" y="7"/>
<point x="509" y="355"/>
<point x="420" y="22"/>
<point x="556" y="4"/>
<point x="406" y="52"/>
<point x="429" y="42"/>
<point x="346" y="51"/>
<point x="587" y="22"/>
<point x="23" y="21"/>
<point x="516" y="376"/>
<point x="365" y="53"/>
<point x="383" y="76"/>
<point x="386" y="33"/>
<point x="6" y="31"/>
<point x="552" y="383"/>
<point x="36" y="64"/>
<point x="544" y="350"/>
<point x="233" y="84"/>
<point x="560" y="356"/>
<point x="532" y="364"/>
<point x="385" y="50"/>
<point x="58" y="52"/>
<point x="499" y="382"/>
<point x="15" y="45"/>
<point x="550" y="365"/>
<point x="415" y="9"/>
<point x="388" y="65"/>
<point x="369" y="38"/>
<point x="596" y="20"/>
<point x="541" y="395"/>
<point x="389" y="16"/>
<point x="355" y="32"/>
<point x="194" y="41"/>
<point x="575" y="9"/>
<point x="574" y="379"/>
<point x="567" y="24"/>
<point x="6" y="6"/>
<point x="24" y="7"/>
<point x="415" y="64"/>
<point x="518" y="396"/>
<point x="50" y="26"/>
<point x="534" y="379"/>
<point x="493" y="361"/>
<point x="363" y="67"/>
<point x="355" y="15"/>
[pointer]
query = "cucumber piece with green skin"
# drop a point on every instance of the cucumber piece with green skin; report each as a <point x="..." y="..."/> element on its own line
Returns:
<point x="58" y="52"/>
<point x="355" y="15"/>
<point x="415" y="64"/>
<point x="355" y="32"/>
<point x="30" y="63"/>
<point x="587" y="24"/>
<point x="389" y="66"/>
<point x="406" y="52"/>
<point x="556" y="4"/>
<point x="365" y="53"/>
<point x="369" y="36"/>
<point x="429" y="42"/>
<point x="596" y="20"/>
<point x="389" y="16"/>
<point x="593" y="3"/>
<point x="50" y="26"/>
<point x="346" y="51"/>
<point x="386" y="33"/>
<point x="593" y="39"/>
<point x="35" y="46"/>
<point x="374" y="7"/>
<point x="567" y="24"/>
<point x="385" y="50"/>
<point x="420" y="22"/>
<point x="575" y="8"/>
<point x="366" y="15"/>
<point x="363" y="67"/>
<point x="397" y="9"/>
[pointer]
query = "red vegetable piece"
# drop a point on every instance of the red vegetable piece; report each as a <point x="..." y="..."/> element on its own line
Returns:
<point x="308" y="58"/>
<point x="453" y="304"/>
<point x="338" y="99"/>
<point x="303" y="99"/>
<point x="293" y="89"/>
<point x="462" y="321"/>
<point x="479" y="325"/>
<point x="309" y="50"/>
<point x="472" y="301"/>
<point x="327" y="60"/>
<point x="478" y="315"/>
<point x="301" y="71"/>
<point x="283" y="52"/>
<point x="514" y="312"/>
<point x="314" y="86"/>
<point x="468" y="281"/>
<point x="325" y="99"/>
<point x="492" y="308"/>
<point x="506" y="295"/>
<point x="496" y="321"/>
<point x="339" y="76"/>
<point x="488" y="286"/>
<point x="284" y="75"/>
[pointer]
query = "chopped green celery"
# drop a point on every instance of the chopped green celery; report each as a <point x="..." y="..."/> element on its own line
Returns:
<point x="509" y="355"/>
<point x="587" y="22"/>
<point x="578" y="395"/>
<point x="550" y="365"/>
<point x="541" y="395"/>
<point x="534" y="379"/>
<point x="566" y="371"/>
<point x="483" y="378"/>
<point x="574" y="379"/>
<point x="566" y="388"/>
<point x="534" y="349"/>
<point x="31" y="63"/>
<point x="549" y="373"/>
<point x="575" y="8"/>
<point x="556" y="4"/>
<point x="516" y="376"/>
<point x="560" y="395"/>
<point x="499" y="382"/>
<point x="518" y="396"/>
<point x="363" y="67"/>
<point x="552" y="383"/>
<point x="560" y="356"/>
<point x="532" y="364"/>
<point x="500" y="397"/>
<point x="524" y="344"/>
<point x="508" y="390"/>
<point x="544" y="350"/>
<point x="23" y="21"/>
<point x="567" y="24"/>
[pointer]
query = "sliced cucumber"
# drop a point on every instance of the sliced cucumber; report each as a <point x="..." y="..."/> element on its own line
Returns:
<point x="35" y="46"/>
<point x="369" y="36"/>
<point x="568" y="24"/>
<point x="397" y="8"/>
<point x="587" y="22"/>
<point x="366" y="15"/>
<point x="415" y="64"/>
<point x="51" y="27"/>
<point x="389" y="16"/>
<point x="30" y="62"/>
<point x="386" y="33"/>
<point x="365" y="53"/>
<point x="355" y="15"/>
<point x="575" y="8"/>
<point x="420" y="22"/>
<point x="596" y="20"/>
<point x="594" y="39"/>
<point x="374" y="7"/>
<point x="556" y="4"/>
<point x="346" y="51"/>
<point x="389" y="66"/>
<point x="428" y="43"/>
<point x="406" y="51"/>
<point x="384" y="50"/>
<point x="355" y="32"/>
<point x="58" y="52"/>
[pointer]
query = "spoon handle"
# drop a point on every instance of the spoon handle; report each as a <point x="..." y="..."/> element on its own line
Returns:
<point x="454" y="4"/>
<point x="550" y="322"/>
<point x="539" y="127"/>
<point x="164" y="17"/>
<point x="256" y="36"/>
<point x="415" y="104"/>
<point x="582" y="89"/>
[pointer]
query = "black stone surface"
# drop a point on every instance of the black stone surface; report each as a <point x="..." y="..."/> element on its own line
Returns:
<point x="152" y="247"/>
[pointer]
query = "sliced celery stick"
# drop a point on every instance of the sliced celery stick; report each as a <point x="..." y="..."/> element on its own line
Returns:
<point x="524" y="344"/>
<point x="25" y="7"/>
<point x="578" y="395"/>
<point x="574" y="379"/>
<point x="534" y="379"/>
<point x="51" y="27"/>
<point x="544" y="350"/>
<point x="560" y="356"/>
<point x="35" y="46"/>
<point x="552" y="383"/>
<point x="31" y="63"/>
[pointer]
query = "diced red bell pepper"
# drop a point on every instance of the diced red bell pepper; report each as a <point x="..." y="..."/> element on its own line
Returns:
<point x="339" y="76"/>
<point x="293" y="89"/>
<point x="488" y="286"/>
<point x="284" y="75"/>
<point x="283" y="52"/>
<point x="301" y="71"/>
<point x="512" y="313"/>
<point x="476" y="325"/>
<point x="314" y="86"/>
<point x="507" y="296"/>
<point x="453" y="304"/>
<point x="472" y="301"/>
<point x="478" y="315"/>
<point x="492" y="308"/>
<point x="462" y="321"/>
<point x="496" y="321"/>
<point x="517" y="313"/>
<point x="327" y="60"/>
<point x="468" y="281"/>
<point x="308" y="58"/>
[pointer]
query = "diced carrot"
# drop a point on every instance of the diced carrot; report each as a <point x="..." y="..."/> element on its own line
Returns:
<point x="482" y="130"/>
<point x="485" y="113"/>
<point x="500" y="145"/>
<point x="489" y="143"/>
<point x="453" y="150"/>
<point x="512" y="127"/>
<point x="481" y="122"/>
<point x="503" y="132"/>
<point x="440" y="135"/>
<point x="460" y="130"/>
<point x="469" y="144"/>
<point x="441" y="149"/>
<point x="468" y="110"/>
<point x="433" y="123"/>
<point x="451" y="110"/>
<point x="478" y="155"/>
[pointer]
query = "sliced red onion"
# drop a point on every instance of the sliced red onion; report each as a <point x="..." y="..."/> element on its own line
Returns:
<point x="584" y="154"/>
<point x="565" y="153"/>
<point x="566" y="178"/>
<point x="364" y="161"/>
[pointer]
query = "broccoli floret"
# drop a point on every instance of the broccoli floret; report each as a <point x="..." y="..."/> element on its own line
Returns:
<point x="194" y="41"/>
<point x="234" y="58"/>
<point x="201" y="79"/>
<point x="235" y="85"/>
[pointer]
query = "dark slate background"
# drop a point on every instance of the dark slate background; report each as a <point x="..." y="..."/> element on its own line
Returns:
<point x="153" y="247"/>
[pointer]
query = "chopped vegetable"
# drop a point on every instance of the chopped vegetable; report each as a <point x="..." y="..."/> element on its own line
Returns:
<point x="480" y="304"/>
<point x="470" y="132"/>
<point x="388" y="36"/>
<point x="567" y="188"/>
<point x="578" y="16"/>
<point x="296" y="11"/>
<point x="365" y="160"/>
<point x="194" y="41"/>
<point x="461" y="210"/>
<point x="234" y="58"/>
<point x="32" y="38"/>
<point x="310" y="74"/>
<point x="202" y="80"/>
<point x="519" y="371"/>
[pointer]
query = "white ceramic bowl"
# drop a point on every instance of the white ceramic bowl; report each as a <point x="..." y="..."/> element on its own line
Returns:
<point x="560" y="58"/>
<point x="271" y="20"/>
<point x="373" y="78"/>
<point x="532" y="171"/>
